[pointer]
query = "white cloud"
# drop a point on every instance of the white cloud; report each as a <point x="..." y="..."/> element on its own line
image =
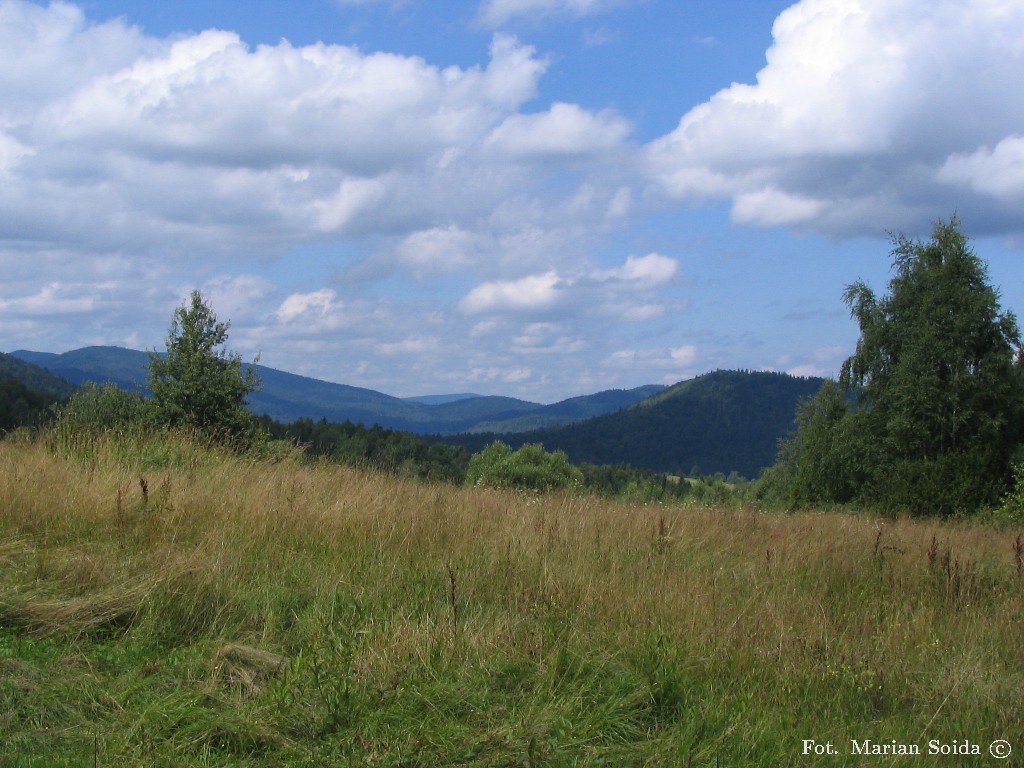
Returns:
<point x="405" y="347"/>
<point x="676" y="362"/>
<point x="546" y="339"/>
<point x="639" y="313"/>
<point x="148" y="166"/>
<point x="52" y="299"/>
<point x="209" y="99"/>
<point x="438" y="251"/>
<point x="649" y="271"/>
<point x="997" y="172"/>
<point x="531" y="293"/>
<point x="11" y="151"/>
<point x="807" y="370"/>
<point x="50" y="51"/>
<point x="134" y="168"/>
<point x="238" y="297"/>
<point x="508" y="375"/>
<point x="495" y="13"/>
<point x="626" y="292"/>
<point x="353" y="197"/>
<point x="773" y="207"/>
<point x="565" y="129"/>
<point x="314" y="310"/>
<point x="111" y="137"/>
<point x="683" y="356"/>
<point x="861" y="105"/>
<point x="595" y="38"/>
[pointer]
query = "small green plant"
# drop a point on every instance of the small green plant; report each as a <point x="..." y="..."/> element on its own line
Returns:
<point x="529" y="468"/>
<point x="96" y="408"/>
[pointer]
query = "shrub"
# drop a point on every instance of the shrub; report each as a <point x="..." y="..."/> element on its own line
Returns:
<point x="1011" y="511"/>
<point x="529" y="468"/>
<point x="98" y="408"/>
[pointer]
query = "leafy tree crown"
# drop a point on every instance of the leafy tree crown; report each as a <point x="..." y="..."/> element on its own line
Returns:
<point x="936" y="388"/>
<point x="199" y="384"/>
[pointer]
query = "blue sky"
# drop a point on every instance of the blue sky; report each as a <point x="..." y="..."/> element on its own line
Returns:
<point x="538" y="198"/>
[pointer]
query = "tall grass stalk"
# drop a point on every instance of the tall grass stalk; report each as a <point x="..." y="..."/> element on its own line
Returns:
<point x="163" y="602"/>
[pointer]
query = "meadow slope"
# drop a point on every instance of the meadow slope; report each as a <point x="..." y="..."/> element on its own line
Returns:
<point x="163" y="604"/>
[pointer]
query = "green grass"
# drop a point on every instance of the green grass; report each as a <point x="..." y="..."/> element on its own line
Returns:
<point x="233" y="612"/>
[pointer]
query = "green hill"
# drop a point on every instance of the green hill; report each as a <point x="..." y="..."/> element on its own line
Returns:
<point x="27" y="393"/>
<point x="724" y="421"/>
<point x="569" y="411"/>
<point x="34" y="377"/>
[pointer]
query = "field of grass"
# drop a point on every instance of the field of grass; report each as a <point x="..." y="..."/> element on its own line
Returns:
<point x="175" y="606"/>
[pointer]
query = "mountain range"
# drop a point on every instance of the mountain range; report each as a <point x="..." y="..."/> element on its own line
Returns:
<point x="287" y="397"/>
<point x="724" y="421"/>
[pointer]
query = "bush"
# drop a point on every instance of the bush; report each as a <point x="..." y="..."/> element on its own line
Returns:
<point x="99" y="408"/>
<point x="529" y="468"/>
<point x="1011" y="511"/>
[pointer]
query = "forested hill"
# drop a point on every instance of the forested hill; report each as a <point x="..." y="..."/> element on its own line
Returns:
<point x="34" y="377"/>
<point x="27" y="393"/>
<point x="720" y="422"/>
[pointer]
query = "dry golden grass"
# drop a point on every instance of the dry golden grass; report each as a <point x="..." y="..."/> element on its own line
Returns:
<point x="558" y="608"/>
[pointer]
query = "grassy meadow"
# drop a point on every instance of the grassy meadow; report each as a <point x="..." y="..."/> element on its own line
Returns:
<point x="163" y="604"/>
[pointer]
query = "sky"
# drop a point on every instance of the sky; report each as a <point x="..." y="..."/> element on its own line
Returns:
<point x="534" y="198"/>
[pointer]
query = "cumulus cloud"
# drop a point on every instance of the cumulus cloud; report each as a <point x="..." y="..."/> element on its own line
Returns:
<point x="439" y="251"/>
<point x="530" y="293"/>
<point x="48" y="52"/>
<point x="209" y="99"/>
<point x="314" y="311"/>
<point x="546" y="339"/>
<point x="565" y="129"/>
<point x="52" y="299"/>
<point x="627" y="292"/>
<point x="870" y="114"/>
<point x="997" y="172"/>
<point x="651" y="270"/>
<point x="238" y="296"/>
<point x="133" y="168"/>
<point x="205" y="142"/>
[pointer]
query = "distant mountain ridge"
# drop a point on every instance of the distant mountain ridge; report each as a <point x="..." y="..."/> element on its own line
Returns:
<point x="440" y="399"/>
<point x="723" y="421"/>
<point x="288" y="397"/>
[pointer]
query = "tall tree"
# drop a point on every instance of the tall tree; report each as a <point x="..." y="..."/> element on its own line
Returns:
<point x="198" y="384"/>
<point x="936" y="377"/>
